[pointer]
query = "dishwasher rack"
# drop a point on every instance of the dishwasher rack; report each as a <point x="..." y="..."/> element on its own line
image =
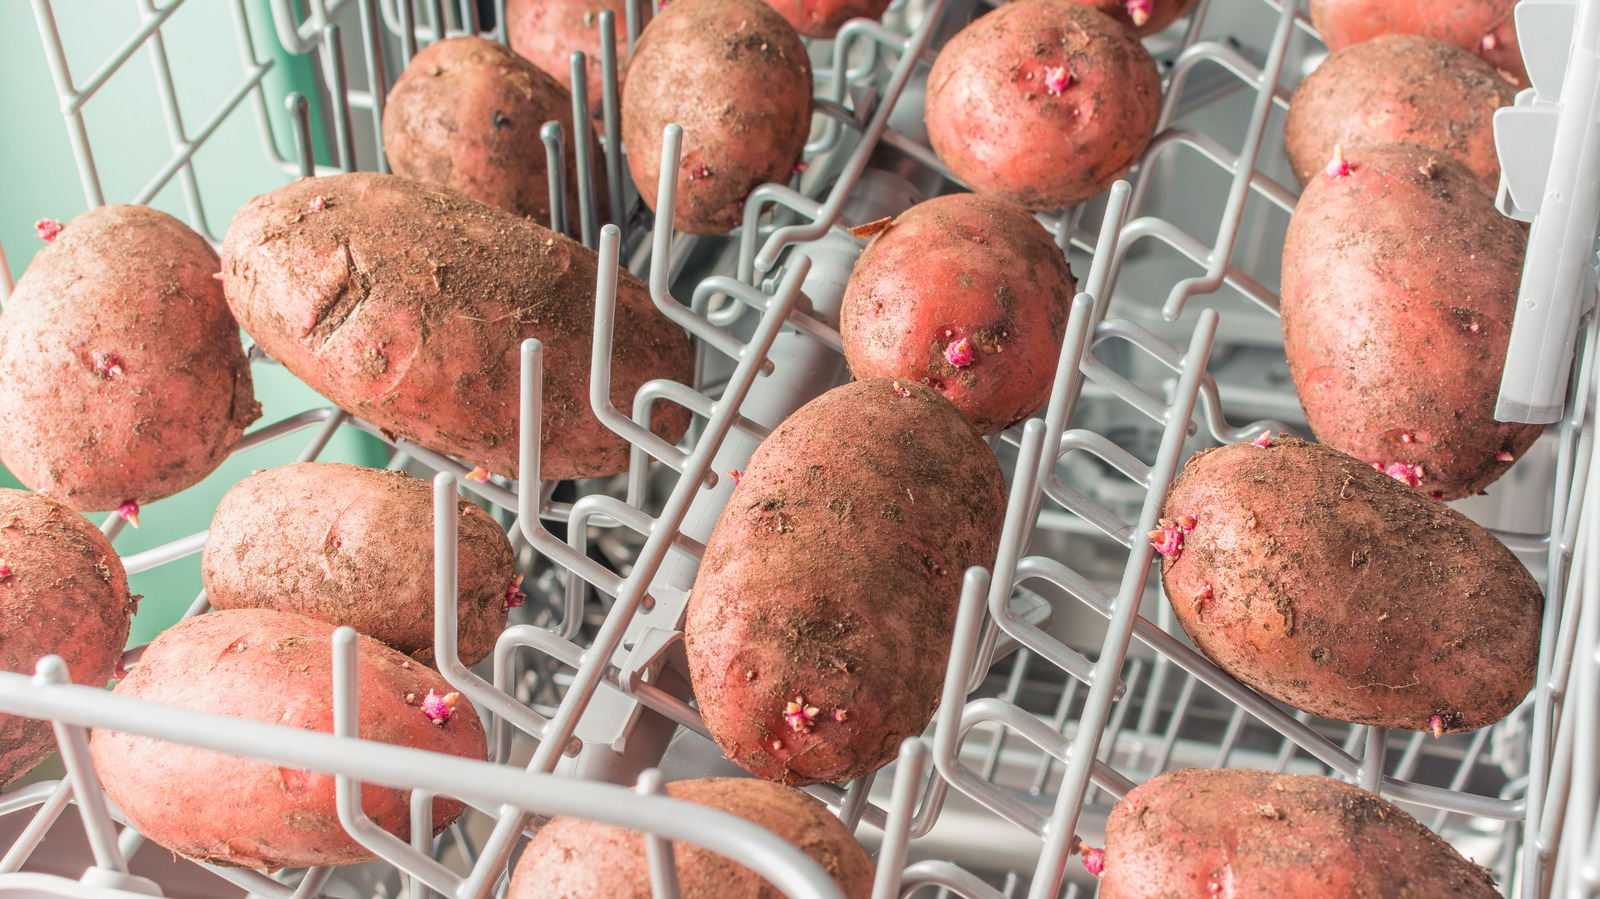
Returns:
<point x="1064" y="711"/>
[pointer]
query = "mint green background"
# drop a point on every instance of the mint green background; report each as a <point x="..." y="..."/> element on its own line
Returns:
<point x="129" y="140"/>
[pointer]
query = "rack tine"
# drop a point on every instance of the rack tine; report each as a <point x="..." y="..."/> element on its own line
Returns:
<point x="556" y="167"/>
<point x="408" y="33"/>
<point x="74" y="744"/>
<point x="343" y="132"/>
<point x="421" y="837"/>
<point x="377" y="76"/>
<point x="300" y="121"/>
<point x="45" y="818"/>
<point x="347" y="790"/>
<point x="634" y="14"/>
<point x="611" y="115"/>
<point x="913" y="762"/>
<point x="658" y="850"/>
<point x="580" y="148"/>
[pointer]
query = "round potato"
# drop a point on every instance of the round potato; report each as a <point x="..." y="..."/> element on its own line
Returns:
<point x="63" y="592"/>
<point x="577" y="859"/>
<point x="1258" y="834"/>
<point x="1481" y="27"/>
<point x="122" y="376"/>
<point x="968" y="295"/>
<point x="1334" y="588"/>
<point x="467" y="114"/>
<point x="822" y="18"/>
<point x="546" y="32"/>
<point x="354" y="546"/>
<point x="735" y="76"/>
<point x="1398" y="88"/>
<point x="1143" y="17"/>
<point x="1042" y="102"/>
<point x="275" y="668"/>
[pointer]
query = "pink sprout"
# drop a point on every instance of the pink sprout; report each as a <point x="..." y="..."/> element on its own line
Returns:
<point x="1338" y="166"/>
<point x="1438" y="495"/>
<point x="1094" y="860"/>
<point x="1204" y="594"/>
<point x="959" y="353"/>
<point x="901" y="390"/>
<point x="1489" y="41"/>
<point x="1215" y="887"/>
<point x="514" y="595"/>
<point x="799" y="715"/>
<point x="108" y="365"/>
<point x="840" y="715"/>
<point x="1264" y="441"/>
<point x="734" y="475"/>
<point x="1436" y="725"/>
<point x="1186" y="523"/>
<point x="1410" y="475"/>
<point x="47" y="229"/>
<point x="1504" y="456"/>
<point x="1407" y="437"/>
<point x="478" y="474"/>
<point x="439" y="708"/>
<point x="1057" y="80"/>
<point x="777" y="745"/>
<point x="1167" y="539"/>
<point x="220" y="276"/>
<point x="317" y="204"/>
<point x="6" y="571"/>
<point x="698" y="172"/>
<point x="1139" y="12"/>
<point x="800" y="167"/>
<point x="1473" y="327"/>
<point x="130" y="512"/>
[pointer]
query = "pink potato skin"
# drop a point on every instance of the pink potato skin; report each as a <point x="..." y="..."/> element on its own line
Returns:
<point x="1401" y="88"/>
<point x="822" y="18"/>
<point x="994" y="121"/>
<point x="406" y="304"/>
<point x="962" y="267"/>
<point x="122" y="376"/>
<point x="276" y="668"/>
<point x="354" y="546"/>
<point x="833" y="576"/>
<point x="1158" y="13"/>
<point x="737" y="79"/>
<point x="1481" y="27"/>
<point x="571" y="858"/>
<point x="467" y="112"/>
<point x="546" y="32"/>
<point x="1396" y="331"/>
<point x="1344" y="593"/>
<point x="1259" y="835"/>
<point x="63" y="592"/>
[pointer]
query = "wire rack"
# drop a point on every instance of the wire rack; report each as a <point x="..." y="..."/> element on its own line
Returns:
<point x="1068" y="682"/>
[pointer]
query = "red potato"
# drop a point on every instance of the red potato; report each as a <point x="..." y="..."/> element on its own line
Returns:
<point x="354" y="546"/>
<point x="1482" y="27"/>
<point x="1400" y="280"/>
<point x="575" y="859"/>
<point x="546" y="32"/>
<point x="820" y="622"/>
<point x="735" y="76"/>
<point x="1336" y="589"/>
<point x="63" y="592"/>
<point x="406" y="304"/>
<point x="122" y="376"/>
<point x="822" y="18"/>
<point x="968" y="295"/>
<point x="1143" y="17"/>
<point x="467" y="114"/>
<point x="276" y="668"/>
<point x="1042" y="102"/>
<point x="1259" y="835"/>
<point x="1398" y="88"/>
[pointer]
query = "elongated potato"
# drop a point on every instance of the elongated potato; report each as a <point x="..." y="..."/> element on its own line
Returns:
<point x="122" y="376"/>
<point x="354" y="546"/>
<point x="1400" y="281"/>
<point x="546" y="32"/>
<point x="276" y="668"/>
<point x="821" y="619"/>
<point x="576" y="859"/>
<point x="1257" y="834"/>
<point x="1342" y="592"/>
<point x="63" y="592"/>
<point x="823" y="18"/>
<point x="968" y="295"/>
<point x="1143" y="17"/>
<point x="467" y="114"/>
<point x="406" y="304"/>
<point x="735" y="76"/>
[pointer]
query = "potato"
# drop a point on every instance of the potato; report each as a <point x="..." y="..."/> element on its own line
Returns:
<point x="1482" y="27"/>
<point x="1258" y="834"/>
<point x="576" y="859"/>
<point x="822" y="18"/>
<point x="467" y="113"/>
<point x="276" y="668"/>
<point x="354" y="546"/>
<point x="122" y="376"/>
<point x="405" y="303"/>
<point x="820" y="622"/>
<point x="735" y="76"/>
<point x="1042" y="102"/>
<point x="63" y="592"/>
<point x="546" y="32"/>
<point x="1400" y="281"/>
<point x="1398" y="88"/>
<point x="968" y="295"/>
<point x="1143" y="17"/>
<point x="1336" y="589"/>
